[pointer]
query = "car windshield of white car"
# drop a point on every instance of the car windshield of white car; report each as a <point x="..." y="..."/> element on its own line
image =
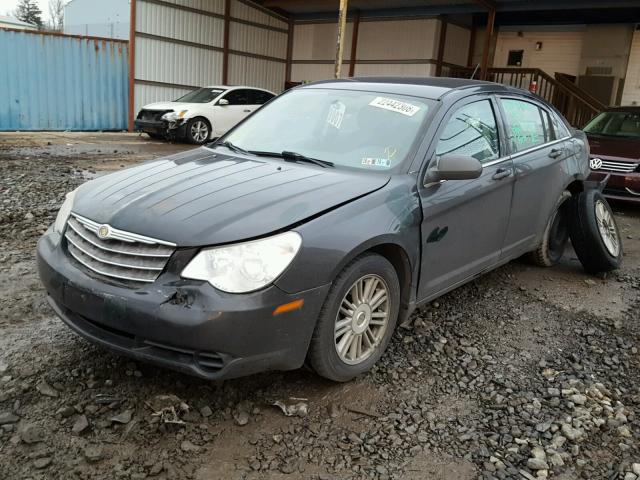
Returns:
<point x="201" y="95"/>
<point x="357" y="129"/>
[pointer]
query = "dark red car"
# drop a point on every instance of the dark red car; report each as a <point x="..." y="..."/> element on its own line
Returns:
<point x="614" y="138"/>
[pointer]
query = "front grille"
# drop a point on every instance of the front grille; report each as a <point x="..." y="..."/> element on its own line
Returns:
<point x="152" y="115"/>
<point x="123" y="255"/>
<point x="618" y="167"/>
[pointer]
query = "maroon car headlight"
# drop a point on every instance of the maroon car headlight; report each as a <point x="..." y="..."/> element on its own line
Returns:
<point x="245" y="267"/>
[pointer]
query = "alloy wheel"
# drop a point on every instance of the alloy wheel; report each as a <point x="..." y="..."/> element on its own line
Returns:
<point x="199" y="131"/>
<point x="362" y="319"/>
<point x="607" y="229"/>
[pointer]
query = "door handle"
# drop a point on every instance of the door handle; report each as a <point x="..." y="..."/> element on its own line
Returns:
<point x="556" y="152"/>
<point x="247" y="110"/>
<point x="501" y="173"/>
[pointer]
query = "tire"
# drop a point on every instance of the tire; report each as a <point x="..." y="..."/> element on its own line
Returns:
<point x="194" y="132"/>
<point x="594" y="232"/>
<point x="323" y="352"/>
<point x="556" y="235"/>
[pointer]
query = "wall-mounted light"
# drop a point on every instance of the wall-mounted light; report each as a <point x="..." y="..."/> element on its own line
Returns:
<point x="538" y="45"/>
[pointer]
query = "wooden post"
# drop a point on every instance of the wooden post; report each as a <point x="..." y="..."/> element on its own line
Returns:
<point x="132" y="64"/>
<point x="488" y="36"/>
<point x="225" y="44"/>
<point x="441" y="44"/>
<point x="354" y="43"/>
<point x="342" y="23"/>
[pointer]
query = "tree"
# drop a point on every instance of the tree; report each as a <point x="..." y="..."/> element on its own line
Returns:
<point x="28" y="11"/>
<point x="56" y="14"/>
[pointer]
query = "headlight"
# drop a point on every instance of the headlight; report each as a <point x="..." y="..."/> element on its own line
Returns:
<point x="64" y="212"/>
<point x="245" y="267"/>
<point x="174" y="116"/>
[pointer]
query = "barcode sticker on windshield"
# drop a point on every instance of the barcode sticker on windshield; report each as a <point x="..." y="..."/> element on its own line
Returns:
<point x="395" y="106"/>
<point x="336" y="114"/>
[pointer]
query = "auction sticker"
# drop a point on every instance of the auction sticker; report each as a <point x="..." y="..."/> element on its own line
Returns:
<point x="393" y="105"/>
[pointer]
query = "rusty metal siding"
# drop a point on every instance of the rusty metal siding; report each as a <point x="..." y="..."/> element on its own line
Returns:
<point x="61" y="82"/>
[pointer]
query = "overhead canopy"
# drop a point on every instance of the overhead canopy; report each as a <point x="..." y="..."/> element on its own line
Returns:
<point x="507" y="11"/>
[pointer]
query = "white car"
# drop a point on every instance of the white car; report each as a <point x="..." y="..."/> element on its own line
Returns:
<point x="201" y="115"/>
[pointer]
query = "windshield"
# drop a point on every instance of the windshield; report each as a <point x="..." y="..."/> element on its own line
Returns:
<point x="367" y="130"/>
<point x="615" y="124"/>
<point x="201" y="95"/>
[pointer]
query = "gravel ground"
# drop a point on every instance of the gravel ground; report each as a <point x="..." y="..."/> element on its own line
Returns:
<point x="524" y="373"/>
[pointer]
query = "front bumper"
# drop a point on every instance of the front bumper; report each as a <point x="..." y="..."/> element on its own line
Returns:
<point x="620" y="186"/>
<point x="161" y="127"/>
<point x="180" y="324"/>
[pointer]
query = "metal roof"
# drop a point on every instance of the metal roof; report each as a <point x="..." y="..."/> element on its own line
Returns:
<point x="508" y="11"/>
<point x="4" y="19"/>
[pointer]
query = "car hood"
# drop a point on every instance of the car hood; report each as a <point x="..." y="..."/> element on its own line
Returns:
<point x="615" y="148"/>
<point x="172" y="106"/>
<point x="202" y="197"/>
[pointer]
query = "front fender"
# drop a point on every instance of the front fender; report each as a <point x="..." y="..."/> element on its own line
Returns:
<point x="389" y="216"/>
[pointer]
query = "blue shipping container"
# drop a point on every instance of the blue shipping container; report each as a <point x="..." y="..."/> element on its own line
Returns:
<point x="60" y="82"/>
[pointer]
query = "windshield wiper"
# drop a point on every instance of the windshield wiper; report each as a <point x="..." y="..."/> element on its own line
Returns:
<point x="232" y="147"/>
<point x="294" y="157"/>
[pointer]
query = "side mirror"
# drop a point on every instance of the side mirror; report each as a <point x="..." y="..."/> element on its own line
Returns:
<point x="223" y="102"/>
<point x="455" y="167"/>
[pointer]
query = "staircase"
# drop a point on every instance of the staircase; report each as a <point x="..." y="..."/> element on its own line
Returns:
<point x="577" y="106"/>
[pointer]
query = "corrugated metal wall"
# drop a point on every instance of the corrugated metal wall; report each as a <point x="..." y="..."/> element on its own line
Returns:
<point x="384" y="47"/>
<point x="60" y="82"/>
<point x="179" y="46"/>
<point x="265" y="37"/>
<point x="631" y="94"/>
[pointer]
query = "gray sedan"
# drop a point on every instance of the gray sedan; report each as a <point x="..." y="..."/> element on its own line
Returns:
<point x="319" y="222"/>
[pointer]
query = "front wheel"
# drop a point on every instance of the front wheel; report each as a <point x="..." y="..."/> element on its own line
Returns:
<point x="357" y="319"/>
<point x="197" y="130"/>
<point x="594" y="233"/>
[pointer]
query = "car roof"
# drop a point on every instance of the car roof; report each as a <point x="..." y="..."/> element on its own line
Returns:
<point x="428" y="87"/>
<point x="230" y="87"/>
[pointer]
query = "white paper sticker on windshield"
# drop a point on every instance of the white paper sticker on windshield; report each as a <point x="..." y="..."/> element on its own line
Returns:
<point x="395" y="106"/>
<point x="336" y="114"/>
<point x="376" y="162"/>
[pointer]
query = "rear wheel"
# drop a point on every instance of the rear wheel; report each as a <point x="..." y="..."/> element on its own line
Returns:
<point x="357" y="319"/>
<point x="197" y="130"/>
<point x="594" y="233"/>
<point x="556" y="235"/>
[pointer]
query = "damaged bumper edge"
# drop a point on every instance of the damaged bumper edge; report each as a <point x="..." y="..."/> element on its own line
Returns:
<point x="180" y="324"/>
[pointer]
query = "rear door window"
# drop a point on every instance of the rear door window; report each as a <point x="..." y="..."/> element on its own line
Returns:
<point x="472" y="130"/>
<point x="238" y="97"/>
<point x="259" y="97"/>
<point x="525" y="124"/>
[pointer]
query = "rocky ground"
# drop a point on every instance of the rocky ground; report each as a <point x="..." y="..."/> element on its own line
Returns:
<point x="525" y="373"/>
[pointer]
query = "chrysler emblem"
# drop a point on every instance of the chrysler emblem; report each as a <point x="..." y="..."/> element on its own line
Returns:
<point x="595" y="164"/>
<point x="104" y="231"/>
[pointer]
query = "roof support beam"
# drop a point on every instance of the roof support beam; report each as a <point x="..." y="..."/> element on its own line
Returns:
<point x="132" y="64"/>
<point x="342" y="23"/>
<point x="225" y="42"/>
<point x="287" y="76"/>
<point x="441" y="44"/>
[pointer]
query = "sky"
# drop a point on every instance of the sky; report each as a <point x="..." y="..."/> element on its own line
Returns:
<point x="7" y="7"/>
